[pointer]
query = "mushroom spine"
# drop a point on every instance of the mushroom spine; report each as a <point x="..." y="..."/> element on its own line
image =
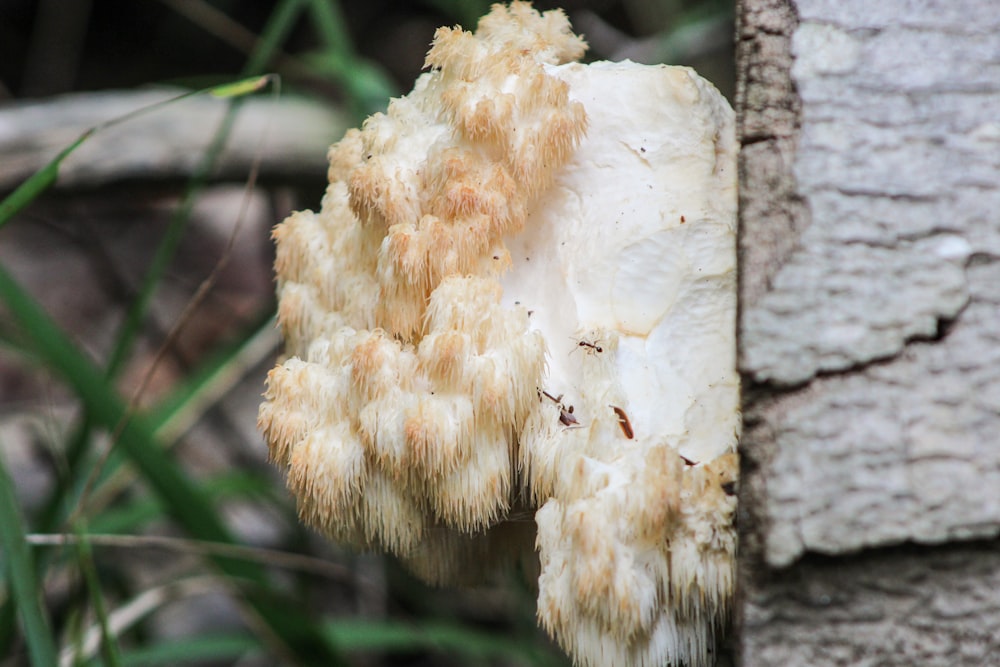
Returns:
<point x="519" y="297"/>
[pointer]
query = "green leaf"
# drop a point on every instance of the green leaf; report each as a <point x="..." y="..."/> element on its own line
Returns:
<point x="20" y="571"/>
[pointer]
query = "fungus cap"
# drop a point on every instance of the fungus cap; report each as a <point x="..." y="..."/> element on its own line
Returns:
<point x="518" y="298"/>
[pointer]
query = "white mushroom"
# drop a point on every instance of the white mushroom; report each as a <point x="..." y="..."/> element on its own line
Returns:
<point x="520" y="294"/>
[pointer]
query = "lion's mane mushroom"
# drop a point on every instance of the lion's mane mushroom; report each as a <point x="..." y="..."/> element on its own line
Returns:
<point x="519" y="295"/>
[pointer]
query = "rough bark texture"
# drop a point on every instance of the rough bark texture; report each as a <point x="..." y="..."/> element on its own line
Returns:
<point x="932" y="608"/>
<point x="870" y="331"/>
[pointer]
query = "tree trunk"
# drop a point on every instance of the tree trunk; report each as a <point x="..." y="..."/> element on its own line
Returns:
<point x="870" y="332"/>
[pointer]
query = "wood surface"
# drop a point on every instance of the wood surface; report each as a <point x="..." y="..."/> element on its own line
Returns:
<point x="290" y="134"/>
<point x="869" y="332"/>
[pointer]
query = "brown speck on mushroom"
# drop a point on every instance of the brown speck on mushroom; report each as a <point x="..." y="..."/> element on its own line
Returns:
<point x="566" y="417"/>
<point x="623" y="422"/>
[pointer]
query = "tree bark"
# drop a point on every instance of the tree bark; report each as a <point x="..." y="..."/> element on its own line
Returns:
<point x="869" y="332"/>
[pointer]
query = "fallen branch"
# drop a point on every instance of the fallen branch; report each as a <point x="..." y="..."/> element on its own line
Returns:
<point x="166" y="144"/>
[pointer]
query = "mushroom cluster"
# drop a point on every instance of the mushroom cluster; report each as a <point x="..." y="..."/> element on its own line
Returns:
<point x="517" y="299"/>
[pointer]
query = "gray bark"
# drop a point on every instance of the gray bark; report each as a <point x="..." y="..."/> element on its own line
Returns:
<point x="870" y="332"/>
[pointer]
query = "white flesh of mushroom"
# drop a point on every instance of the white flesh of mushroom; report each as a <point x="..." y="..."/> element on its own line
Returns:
<point x="520" y="292"/>
<point x="628" y="268"/>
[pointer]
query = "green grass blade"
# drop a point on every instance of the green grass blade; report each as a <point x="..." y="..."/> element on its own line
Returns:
<point x="184" y="501"/>
<point x="21" y="580"/>
<point x="85" y="558"/>
<point x="367" y="85"/>
<point x="228" y="648"/>
<point x="169" y="419"/>
<point x="328" y="21"/>
<point x="240" y="88"/>
<point x="279" y="25"/>
<point x="106" y="407"/>
<point x="42" y="179"/>
<point x="38" y="183"/>
<point x="70" y="485"/>
<point x="46" y="176"/>
<point x="281" y="22"/>
<point x="133" y="516"/>
<point x="167" y="248"/>
<point x="80" y="463"/>
<point x="212" y="379"/>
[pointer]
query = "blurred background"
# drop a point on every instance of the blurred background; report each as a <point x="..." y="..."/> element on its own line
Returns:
<point x="140" y="522"/>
